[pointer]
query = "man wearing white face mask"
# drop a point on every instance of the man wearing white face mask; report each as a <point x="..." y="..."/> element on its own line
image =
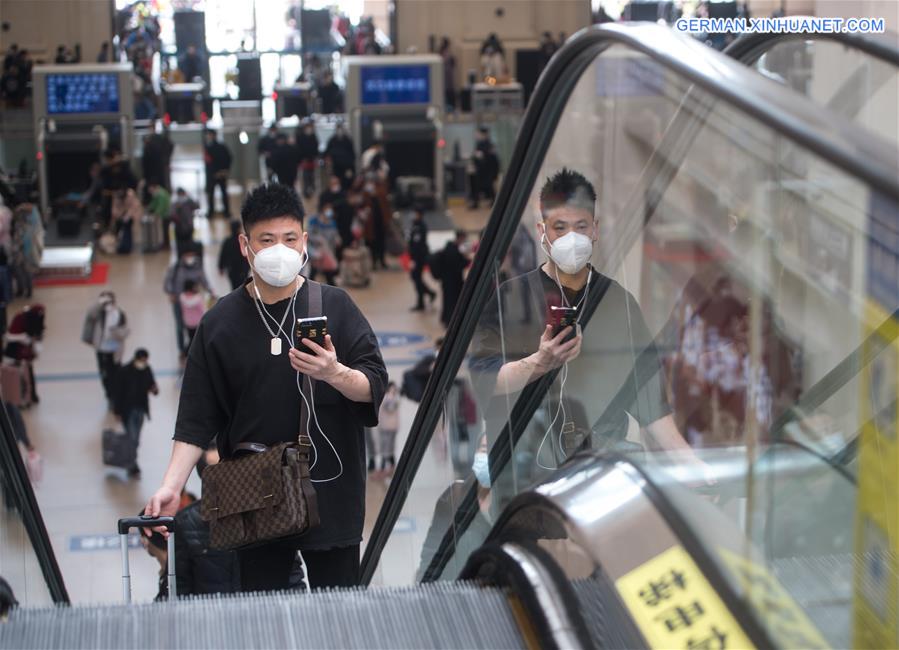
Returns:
<point x="242" y="384"/>
<point x="608" y="367"/>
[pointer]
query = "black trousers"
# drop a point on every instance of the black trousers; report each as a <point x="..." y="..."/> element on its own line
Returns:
<point x="308" y="181"/>
<point x="268" y="567"/>
<point x="330" y="276"/>
<point x="222" y="184"/>
<point x="107" y="366"/>
<point x="421" y="288"/>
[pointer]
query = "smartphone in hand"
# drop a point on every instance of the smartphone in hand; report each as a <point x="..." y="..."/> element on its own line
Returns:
<point x="314" y="329"/>
<point x="562" y="317"/>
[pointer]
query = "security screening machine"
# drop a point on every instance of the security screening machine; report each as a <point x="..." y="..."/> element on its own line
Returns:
<point x="399" y="99"/>
<point x="187" y="102"/>
<point x="145" y="521"/>
<point x="294" y="99"/>
<point x="79" y="110"/>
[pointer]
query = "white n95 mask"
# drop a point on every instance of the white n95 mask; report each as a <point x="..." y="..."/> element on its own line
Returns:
<point x="481" y="469"/>
<point x="277" y="265"/>
<point x="571" y="252"/>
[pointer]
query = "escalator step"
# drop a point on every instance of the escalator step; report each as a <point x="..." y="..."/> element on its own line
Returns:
<point x="437" y="615"/>
<point x="607" y="621"/>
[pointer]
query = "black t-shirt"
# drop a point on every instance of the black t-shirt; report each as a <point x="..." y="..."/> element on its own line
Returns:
<point x="234" y="388"/>
<point x="617" y="372"/>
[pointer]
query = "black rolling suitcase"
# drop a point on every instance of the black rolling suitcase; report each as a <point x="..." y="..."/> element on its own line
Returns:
<point x="119" y="450"/>
<point x="143" y="521"/>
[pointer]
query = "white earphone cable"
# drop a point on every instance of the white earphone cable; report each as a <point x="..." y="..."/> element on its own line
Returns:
<point x="310" y="407"/>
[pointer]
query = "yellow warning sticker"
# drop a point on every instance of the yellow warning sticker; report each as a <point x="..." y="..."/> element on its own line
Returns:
<point x="674" y="606"/>
<point x="786" y="622"/>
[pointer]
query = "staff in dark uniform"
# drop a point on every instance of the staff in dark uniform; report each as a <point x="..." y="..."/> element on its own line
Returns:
<point x="419" y="252"/>
<point x="218" y="163"/>
<point x="342" y="154"/>
<point x="486" y="169"/>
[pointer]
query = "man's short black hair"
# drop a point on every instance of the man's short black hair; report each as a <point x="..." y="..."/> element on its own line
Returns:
<point x="567" y="187"/>
<point x="270" y="201"/>
<point x="141" y="353"/>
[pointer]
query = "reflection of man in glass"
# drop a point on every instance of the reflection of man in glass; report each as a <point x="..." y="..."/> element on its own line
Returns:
<point x="608" y="367"/>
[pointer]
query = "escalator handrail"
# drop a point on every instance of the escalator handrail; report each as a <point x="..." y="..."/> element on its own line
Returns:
<point x="748" y="48"/>
<point x="682" y="530"/>
<point x="540" y="584"/>
<point x="844" y="145"/>
<point x="13" y="467"/>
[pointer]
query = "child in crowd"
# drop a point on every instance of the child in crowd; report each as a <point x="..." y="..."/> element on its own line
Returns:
<point x="324" y="240"/>
<point x="193" y="306"/>
<point x="388" y="425"/>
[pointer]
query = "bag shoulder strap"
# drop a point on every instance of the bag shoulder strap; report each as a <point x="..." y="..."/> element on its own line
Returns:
<point x="315" y="298"/>
<point x="315" y="309"/>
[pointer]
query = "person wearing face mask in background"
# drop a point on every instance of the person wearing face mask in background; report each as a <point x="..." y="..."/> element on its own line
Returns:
<point x="105" y="329"/>
<point x="445" y="509"/>
<point x="188" y="267"/>
<point x="607" y="361"/>
<point x="134" y="383"/>
<point x="332" y="193"/>
<point x="324" y="240"/>
<point x="243" y="381"/>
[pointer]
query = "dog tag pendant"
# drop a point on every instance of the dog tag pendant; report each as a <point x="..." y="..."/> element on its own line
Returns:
<point x="276" y="346"/>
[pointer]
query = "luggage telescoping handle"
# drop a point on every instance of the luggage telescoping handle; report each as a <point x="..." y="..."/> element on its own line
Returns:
<point x="145" y="521"/>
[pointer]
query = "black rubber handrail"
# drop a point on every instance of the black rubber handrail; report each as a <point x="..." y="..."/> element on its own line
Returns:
<point x="524" y="569"/>
<point x="843" y="145"/>
<point x="735" y="600"/>
<point x="748" y="48"/>
<point x="16" y="477"/>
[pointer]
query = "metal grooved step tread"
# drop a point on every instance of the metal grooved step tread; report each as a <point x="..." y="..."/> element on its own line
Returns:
<point x="608" y="623"/>
<point x="439" y="615"/>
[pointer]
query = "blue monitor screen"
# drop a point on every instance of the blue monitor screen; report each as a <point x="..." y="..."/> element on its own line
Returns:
<point x="406" y="84"/>
<point x="85" y="92"/>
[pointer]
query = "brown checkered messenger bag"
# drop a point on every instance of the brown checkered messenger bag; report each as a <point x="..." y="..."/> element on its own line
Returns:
<point x="259" y="497"/>
<point x="263" y="493"/>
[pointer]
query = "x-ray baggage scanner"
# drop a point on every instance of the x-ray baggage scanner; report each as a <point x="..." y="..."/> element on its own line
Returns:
<point x="399" y="99"/>
<point x="79" y="110"/>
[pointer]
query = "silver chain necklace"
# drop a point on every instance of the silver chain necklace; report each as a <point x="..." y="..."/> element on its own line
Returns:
<point x="276" y="335"/>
